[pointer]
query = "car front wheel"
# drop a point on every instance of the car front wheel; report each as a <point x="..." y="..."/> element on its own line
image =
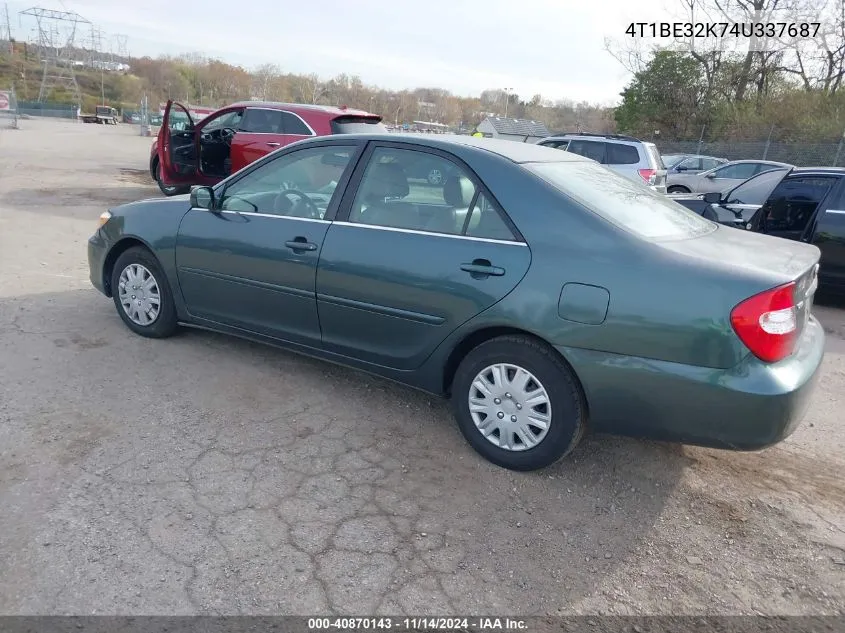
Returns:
<point x="518" y="403"/>
<point x="142" y="295"/>
<point x="677" y="189"/>
<point x="168" y="190"/>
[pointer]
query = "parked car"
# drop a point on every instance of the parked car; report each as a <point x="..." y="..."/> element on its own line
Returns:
<point x="539" y="290"/>
<point x="626" y="155"/>
<point x="690" y="163"/>
<point x="720" y="178"/>
<point x="204" y="153"/>
<point x="805" y="204"/>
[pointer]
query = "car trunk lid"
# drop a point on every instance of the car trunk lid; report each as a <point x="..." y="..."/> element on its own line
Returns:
<point x="757" y="262"/>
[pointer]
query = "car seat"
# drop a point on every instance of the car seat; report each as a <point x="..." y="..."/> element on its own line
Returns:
<point x="382" y="186"/>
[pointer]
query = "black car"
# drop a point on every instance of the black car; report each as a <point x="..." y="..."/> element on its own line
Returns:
<point x="806" y="204"/>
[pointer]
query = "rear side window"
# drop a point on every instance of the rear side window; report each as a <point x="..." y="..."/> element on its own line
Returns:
<point x="589" y="149"/>
<point x="258" y="121"/>
<point x="625" y="203"/>
<point x="710" y="163"/>
<point x="622" y="154"/>
<point x="292" y="124"/>
<point x="357" y="125"/>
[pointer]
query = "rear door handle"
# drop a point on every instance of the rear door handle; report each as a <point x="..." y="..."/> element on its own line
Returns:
<point x="480" y="268"/>
<point x="301" y="244"/>
<point x="273" y="144"/>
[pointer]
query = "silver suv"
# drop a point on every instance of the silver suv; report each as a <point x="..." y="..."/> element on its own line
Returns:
<point x="626" y="155"/>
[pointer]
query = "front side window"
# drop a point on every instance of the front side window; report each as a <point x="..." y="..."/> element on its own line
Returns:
<point x="227" y="120"/>
<point x="621" y="201"/>
<point x="793" y="202"/>
<point x="755" y="190"/>
<point x="299" y="184"/>
<point x="261" y="121"/>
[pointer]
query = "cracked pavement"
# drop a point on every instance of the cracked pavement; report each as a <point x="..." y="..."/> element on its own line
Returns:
<point x="205" y="474"/>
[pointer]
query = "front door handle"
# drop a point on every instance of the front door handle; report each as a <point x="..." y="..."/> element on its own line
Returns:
<point x="481" y="268"/>
<point x="300" y="244"/>
<point x="273" y="144"/>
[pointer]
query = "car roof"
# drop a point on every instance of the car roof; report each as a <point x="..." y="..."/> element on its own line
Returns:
<point x="302" y="107"/>
<point x="511" y="150"/>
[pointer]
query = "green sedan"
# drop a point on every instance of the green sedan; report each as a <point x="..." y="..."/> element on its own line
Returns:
<point x="542" y="293"/>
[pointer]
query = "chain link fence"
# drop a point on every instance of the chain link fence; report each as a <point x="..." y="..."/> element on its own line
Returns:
<point x="765" y="146"/>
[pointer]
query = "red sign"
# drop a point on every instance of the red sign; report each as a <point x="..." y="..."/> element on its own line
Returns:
<point x="5" y="101"/>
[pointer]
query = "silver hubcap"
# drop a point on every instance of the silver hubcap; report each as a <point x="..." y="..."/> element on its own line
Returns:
<point x="510" y="407"/>
<point x="435" y="177"/>
<point x="139" y="294"/>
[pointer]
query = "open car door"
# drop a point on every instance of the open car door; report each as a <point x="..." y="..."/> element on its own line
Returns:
<point x="177" y="146"/>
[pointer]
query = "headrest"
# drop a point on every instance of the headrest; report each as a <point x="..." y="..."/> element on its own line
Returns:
<point x="386" y="180"/>
<point x="458" y="191"/>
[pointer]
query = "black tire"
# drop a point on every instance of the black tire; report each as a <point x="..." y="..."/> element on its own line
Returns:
<point x="677" y="189"/>
<point x="568" y="405"/>
<point x="167" y="190"/>
<point x="165" y="323"/>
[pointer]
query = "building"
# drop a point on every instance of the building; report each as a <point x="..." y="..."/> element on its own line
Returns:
<point x="521" y="130"/>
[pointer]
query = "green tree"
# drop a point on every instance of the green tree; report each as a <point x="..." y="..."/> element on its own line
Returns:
<point x="667" y="95"/>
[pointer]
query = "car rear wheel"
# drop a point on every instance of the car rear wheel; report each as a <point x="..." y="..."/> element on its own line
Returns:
<point x="677" y="189"/>
<point x="168" y="190"/>
<point x="142" y="295"/>
<point x="518" y="404"/>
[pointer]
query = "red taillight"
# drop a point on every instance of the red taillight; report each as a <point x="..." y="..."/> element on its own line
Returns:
<point x="768" y="323"/>
<point x="648" y="175"/>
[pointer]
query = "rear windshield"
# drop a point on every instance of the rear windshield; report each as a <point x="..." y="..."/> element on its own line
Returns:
<point x="628" y="204"/>
<point x="357" y="125"/>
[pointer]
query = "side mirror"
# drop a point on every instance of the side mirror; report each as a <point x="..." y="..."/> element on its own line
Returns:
<point x="713" y="197"/>
<point x="202" y="198"/>
<point x="680" y="168"/>
<point x="710" y="176"/>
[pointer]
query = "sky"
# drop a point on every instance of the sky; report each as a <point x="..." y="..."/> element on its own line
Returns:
<point x="551" y="47"/>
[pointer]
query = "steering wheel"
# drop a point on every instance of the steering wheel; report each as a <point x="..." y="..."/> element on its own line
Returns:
<point x="304" y="207"/>
<point x="226" y="135"/>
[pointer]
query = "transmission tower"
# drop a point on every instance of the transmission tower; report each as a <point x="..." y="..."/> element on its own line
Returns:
<point x="121" y="46"/>
<point x="57" y="33"/>
<point x="95" y="45"/>
<point x="6" y="30"/>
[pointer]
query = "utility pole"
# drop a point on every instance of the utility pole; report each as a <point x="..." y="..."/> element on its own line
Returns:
<point x="507" y="100"/>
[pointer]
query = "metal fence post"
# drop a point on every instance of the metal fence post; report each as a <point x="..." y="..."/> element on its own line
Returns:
<point x="768" y="142"/>
<point x="701" y="139"/>
<point x="838" y="149"/>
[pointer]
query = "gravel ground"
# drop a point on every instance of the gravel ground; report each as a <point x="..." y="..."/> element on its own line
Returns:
<point x="204" y="474"/>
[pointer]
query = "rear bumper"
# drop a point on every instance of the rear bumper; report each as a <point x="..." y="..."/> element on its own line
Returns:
<point x="748" y="407"/>
<point x="97" y="251"/>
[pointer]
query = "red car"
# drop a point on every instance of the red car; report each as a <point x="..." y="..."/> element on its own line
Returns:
<point x="204" y="153"/>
